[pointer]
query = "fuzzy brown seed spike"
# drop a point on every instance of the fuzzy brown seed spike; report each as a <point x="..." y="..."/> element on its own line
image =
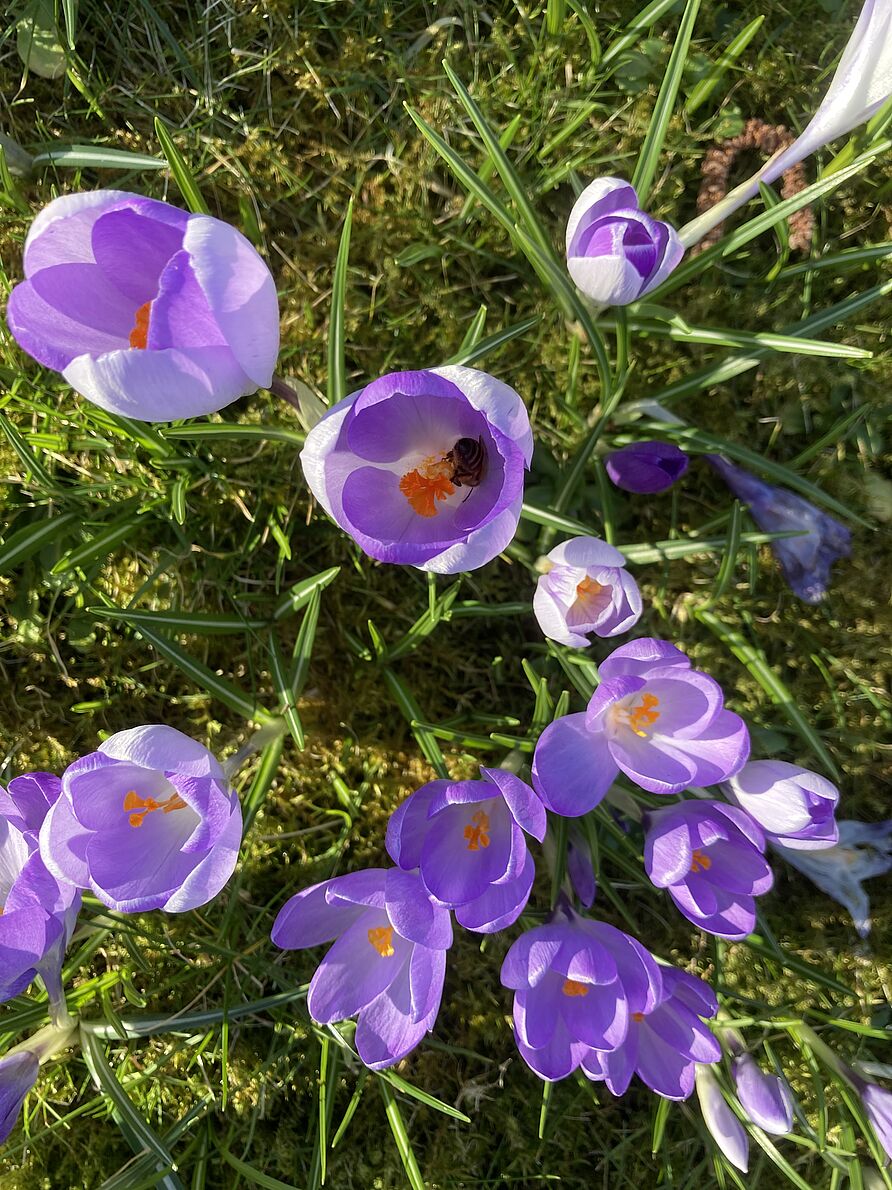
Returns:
<point x="767" y="139"/>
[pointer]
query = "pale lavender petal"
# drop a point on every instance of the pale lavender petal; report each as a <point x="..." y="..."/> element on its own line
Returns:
<point x="525" y="806"/>
<point x="308" y="919"/>
<point x="412" y="912"/>
<point x="572" y="766"/>
<point x="408" y="825"/>
<point x="500" y="905"/>
<point x="355" y="970"/>
<point x="766" y="1098"/>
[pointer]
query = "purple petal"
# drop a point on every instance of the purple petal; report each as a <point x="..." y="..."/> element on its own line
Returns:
<point x="500" y="905"/>
<point x="63" y="844"/>
<point x="522" y="801"/>
<point x="530" y="957"/>
<point x="359" y="966"/>
<point x="408" y="825"/>
<point x="308" y="919"/>
<point x="412" y="912"/>
<point x="18" y="1074"/>
<point x="365" y="887"/>
<point x="572" y="766"/>
<point x="241" y="293"/>
<point x="468" y="849"/>
<point x="765" y="1098"/>
<point x="50" y="337"/>
<point x="385" y="1031"/>
<point x="132" y="247"/>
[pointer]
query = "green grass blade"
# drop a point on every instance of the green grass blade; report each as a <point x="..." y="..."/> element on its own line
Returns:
<point x="193" y="623"/>
<point x="100" y="545"/>
<point x="337" y="377"/>
<point x="555" y="15"/>
<point x="413" y="714"/>
<point x="28" y="458"/>
<point x="199" y="430"/>
<point x="196" y="671"/>
<point x="97" y="157"/>
<point x="182" y="174"/>
<point x="511" y="179"/>
<point x="284" y="693"/>
<point x="705" y="87"/>
<point x="301" y="593"/>
<point x="748" y="340"/>
<point x="134" y="1128"/>
<point x="30" y="539"/>
<point x="648" y="16"/>
<point x="470" y="353"/>
<point x="646" y="167"/>
<point x="255" y="1176"/>
<point x="778" y="692"/>
<point x="401" y="1136"/>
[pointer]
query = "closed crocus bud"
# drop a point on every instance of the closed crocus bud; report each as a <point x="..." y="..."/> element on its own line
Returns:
<point x="18" y="1074"/>
<point x="586" y="590"/>
<point x="424" y="468"/>
<point x="149" y="821"/>
<point x="146" y="310"/>
<point x="805" y="561"/>
<point x="878" y="1107"/>
<point x="616" y="253"/>
<point x="726" y="1130"/>
<point x="794" y="807"/>
<point x="766" y="1098"/>
<point x="646" y="467"/>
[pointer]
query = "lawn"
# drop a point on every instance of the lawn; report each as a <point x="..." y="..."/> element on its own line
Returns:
<point x="277" y="116"/>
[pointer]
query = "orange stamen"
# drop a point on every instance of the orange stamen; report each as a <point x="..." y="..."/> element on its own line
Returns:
<point x="381" y="937"/>
<point x="140" y="333"/>
<point x="643" y="715"/>
<point x="638" y="1016"/>
<point x="700" y="861"/>
<point x="138" y="807"/>
<point x="572" y="987"/>
<point x="587" y="593"/>
<point x="476" y="831"/>
<point x="427" y="484"/>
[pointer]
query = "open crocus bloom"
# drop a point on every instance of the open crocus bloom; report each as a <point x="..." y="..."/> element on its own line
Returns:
<point x="654" y="718"/>
<point x="146" y="310"/>
<point x="424" y="468"/>
<point x="18" y="1074"/>
<point x="387" y="965"/>
<point x="147" y="822"/>
<point x="794" y="807"/>
<point x="616" y="253"/>
<point x="710" y="858"/>
<point x="586" y="589"/>
<point x="467" y="840"/>
<point x="663" y="1045"/>
<point x="37" y="912"/>
<point x="576" y="983"/>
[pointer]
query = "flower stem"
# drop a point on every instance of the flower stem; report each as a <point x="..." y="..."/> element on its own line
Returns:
<point x="59" y="1015"/>
<point x="279" y="388"/>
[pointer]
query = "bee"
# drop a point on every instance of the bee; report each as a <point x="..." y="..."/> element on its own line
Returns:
<point x="468" y="459"/>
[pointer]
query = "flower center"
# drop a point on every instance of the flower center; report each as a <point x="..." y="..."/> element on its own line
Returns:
<point x="140" y="333"/>
<point x="700" y="861"/>
<point x="640" y="715"/>
<point x="427" y="484"/>
<point x="138" y="807"/>
<point x="572" y="987"/>
<point x="381" y="938"/>
<point x="638" y="1016"/>
<point x="476" y="831"/>
<point x="589" y="596"/>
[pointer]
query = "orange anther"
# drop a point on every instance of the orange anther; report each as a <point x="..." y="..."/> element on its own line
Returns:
<point x="381" y="937"/>
<point x="140" y="333"/>
<point x="476" y="831"/>
<point x="138" y="807"/>
<point x="572" y="987"/>
<point x="700" y="861"/>
<point x="644" y="715"/>
<point x="427" y="484"/>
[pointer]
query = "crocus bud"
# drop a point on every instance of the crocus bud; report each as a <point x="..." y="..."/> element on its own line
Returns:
<point x="766" y="1098"/>
<point x="805" y="561"/>
<point x="646" y="467"/>
<point x="18" y="1074"/>
<point x="726" y="1130"/>
<point x="616" y="253"/>
<point x="586" y="589"/>
<point x="793" y="806"/>
<point x="146" y="310"/>
<point x="878" y="1108"/>
<point x="862" y="83"/>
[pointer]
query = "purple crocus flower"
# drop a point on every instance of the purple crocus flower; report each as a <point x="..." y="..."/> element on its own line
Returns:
<point x="466" y="838"/>
<point x="616" y="253"/>
<point x="766" y="1098"/>
<point x="576" y="983"/>
<point x="146" y="310"/>
<point x="37" y="911"/>
<point x="149" y="821"/>
<point x="725" y="1128"/>
<point x="805" y="561"/>
<point x="387" y="965"/>
<point x="425" y="468"/>
<point x="793" y="806"/>
<point x="18" y="1074"/>
<point x="877" y="1104"/>
<point x="664" y="1045"/>
<point x="585" y="589"/>
<point x="710" y="858"/>
<point x="654" y="718"/>
<point x="646" y="467"/>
